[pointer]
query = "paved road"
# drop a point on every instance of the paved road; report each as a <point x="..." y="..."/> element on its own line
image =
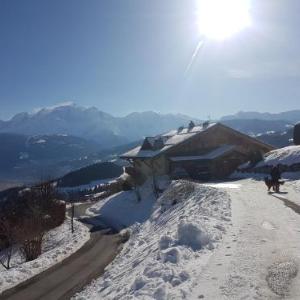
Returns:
<point x="64" y="280"/>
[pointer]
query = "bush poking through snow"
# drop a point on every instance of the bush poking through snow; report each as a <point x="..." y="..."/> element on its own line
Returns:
<point x="125" y="235"/>
<point x="177" y="192"/>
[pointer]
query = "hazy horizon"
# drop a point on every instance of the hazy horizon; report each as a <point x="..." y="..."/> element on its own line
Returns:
<point x="70" y="103"/>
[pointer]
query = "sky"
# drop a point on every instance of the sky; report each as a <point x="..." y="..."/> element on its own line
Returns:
<point x="132" y="55"/>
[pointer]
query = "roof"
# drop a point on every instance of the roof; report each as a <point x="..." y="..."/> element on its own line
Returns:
<point x="169" y="140"/>
<point x="222" y="150"/>
<point x="166" y="141"/>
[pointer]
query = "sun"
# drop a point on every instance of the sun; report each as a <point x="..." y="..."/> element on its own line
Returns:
<point x="220" y="19"/>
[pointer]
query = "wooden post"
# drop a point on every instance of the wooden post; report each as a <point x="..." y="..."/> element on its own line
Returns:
<point x="72" y="217"/>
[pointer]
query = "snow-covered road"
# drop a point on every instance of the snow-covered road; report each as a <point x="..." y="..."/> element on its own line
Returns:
<point x="260" y="254"/>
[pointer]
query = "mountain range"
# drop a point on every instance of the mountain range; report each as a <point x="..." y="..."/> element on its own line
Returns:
<point x="54" y="141"/>
<point x="292" y="116"/>
<point x="92" y="124"/>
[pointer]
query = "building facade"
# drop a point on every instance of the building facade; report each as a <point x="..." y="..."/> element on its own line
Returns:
<point x="209" y="151"/>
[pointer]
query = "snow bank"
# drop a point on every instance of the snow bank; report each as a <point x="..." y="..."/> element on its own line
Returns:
<point x="59" y="243"/>
<point x="126" y="208"/>
<point x="165" y="254"/>
<point x="286" y="156"/>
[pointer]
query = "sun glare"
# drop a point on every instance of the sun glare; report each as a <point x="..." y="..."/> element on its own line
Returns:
<point x="220" y="19"/>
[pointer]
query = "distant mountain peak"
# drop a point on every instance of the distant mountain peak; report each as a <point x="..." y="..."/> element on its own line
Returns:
<point x="92" y="124"/>
<point x="52" y="108"/>
<point x="291" y="116"/>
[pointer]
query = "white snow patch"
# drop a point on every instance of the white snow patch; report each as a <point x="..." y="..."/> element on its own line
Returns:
<point x="40" y="141"/>
<point x="166" y="253"/>
<point x="59" y="243"/>
<point x="124" y="209"/>
<point x="225" y="185"/>
<point x="286" y="156"/>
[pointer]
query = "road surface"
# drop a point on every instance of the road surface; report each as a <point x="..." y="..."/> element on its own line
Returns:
<point x="259" y="257"/>
<point x="65" y="279"/>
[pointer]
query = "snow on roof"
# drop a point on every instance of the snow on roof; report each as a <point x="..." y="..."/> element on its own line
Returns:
<point x="170" y="133"/>
<point x="169" y="139"/>
<point x="286" y="156"/>
<point x="211" y="155"/>
<point x="137" y="152"/>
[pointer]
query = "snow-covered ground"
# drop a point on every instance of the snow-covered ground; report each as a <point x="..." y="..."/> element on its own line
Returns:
<point x="166" y="253"/>
<point x="59" y="243"/>
<point x="191" y="248"/>
<point x="286" y="156"/>
<point x="124" y="209"/>
<point x="259" y="256"/>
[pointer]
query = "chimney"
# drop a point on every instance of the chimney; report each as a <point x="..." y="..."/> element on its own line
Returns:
<point x="191" y="125"/>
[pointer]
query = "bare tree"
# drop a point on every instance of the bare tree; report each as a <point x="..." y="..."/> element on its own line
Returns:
<point x="30" y="236"/>
<point x="43" y="213"/>
<point x="8" y="241"/>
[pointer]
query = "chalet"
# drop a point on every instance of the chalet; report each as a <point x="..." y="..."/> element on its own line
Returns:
<point x="208" y="151"/>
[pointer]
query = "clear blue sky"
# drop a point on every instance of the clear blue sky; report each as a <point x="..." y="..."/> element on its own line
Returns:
<point x="131" y="55"/>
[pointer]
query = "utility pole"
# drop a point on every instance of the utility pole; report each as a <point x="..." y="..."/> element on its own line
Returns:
<point x="72" y="217"/>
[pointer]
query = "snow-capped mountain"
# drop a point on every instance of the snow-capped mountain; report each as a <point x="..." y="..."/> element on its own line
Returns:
<point x="91" y="123"/>
<point x="70" y="119"/>
<point x="291" y="116"/>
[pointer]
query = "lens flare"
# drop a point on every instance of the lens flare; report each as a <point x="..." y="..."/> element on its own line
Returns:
<point x="220" y="19"/>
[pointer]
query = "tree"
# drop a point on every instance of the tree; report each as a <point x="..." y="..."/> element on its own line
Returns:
<point x="30" y="236"/>
<point x="25" y="218"/>
<point x="8" y="241"/>
<point x="42" y="213"/>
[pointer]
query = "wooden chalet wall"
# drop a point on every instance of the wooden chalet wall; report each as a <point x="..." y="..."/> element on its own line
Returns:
<point x="215" y="137"/>
<point x="246" y="149"/>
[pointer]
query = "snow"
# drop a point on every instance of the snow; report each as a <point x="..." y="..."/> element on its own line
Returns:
<point x="168" y="249"/>
<point x="169" y="140"/>
<point x="211" y="155"/>
<point x="179" y="138"/>
<point x="224" y="185"/>
<point x="259" y="255"/>
<point x="124" y="209"/>
<point x="286" y="156"/>
<point x="53" y="107"/>
<point x="59" y="243"/>
<point x="23" y="155"/>
<point x="40" y="141"/>
<point x="137" y="152"/>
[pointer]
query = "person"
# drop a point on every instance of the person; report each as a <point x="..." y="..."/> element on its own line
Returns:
<point x="275" y="175"/>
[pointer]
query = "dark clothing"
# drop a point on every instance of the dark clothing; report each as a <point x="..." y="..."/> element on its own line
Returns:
<point x="275" y="174"/>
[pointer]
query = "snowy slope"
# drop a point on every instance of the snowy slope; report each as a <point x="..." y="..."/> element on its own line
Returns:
<point x="165" y="254"/>
<point x="285" y="156"/>
<point x="59" y="243"/>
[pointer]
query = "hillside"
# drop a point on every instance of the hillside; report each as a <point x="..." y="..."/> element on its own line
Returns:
<point x="255" y="127"/>
<point x="90" y="173"/>
<point x="24" y="157"/>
